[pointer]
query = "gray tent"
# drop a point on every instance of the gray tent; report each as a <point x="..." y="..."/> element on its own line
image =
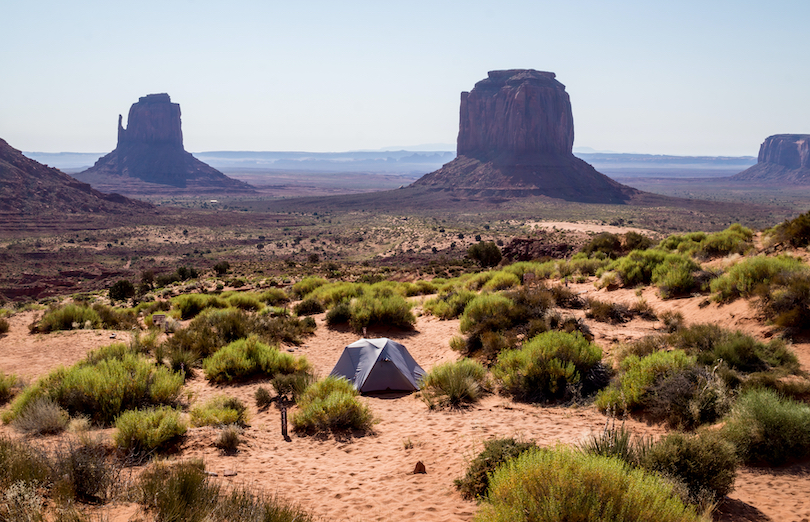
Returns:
<point x="378" y="365"/>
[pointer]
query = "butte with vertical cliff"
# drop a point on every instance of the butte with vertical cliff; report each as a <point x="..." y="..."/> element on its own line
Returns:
<point x="516" y="135"/>
<point x="150" y="158"/>
<point x="783" y="158"/>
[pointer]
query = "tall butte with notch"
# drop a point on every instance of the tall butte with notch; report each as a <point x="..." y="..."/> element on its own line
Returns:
<point x="150" y="157"/>
<point x="515" y="138"/>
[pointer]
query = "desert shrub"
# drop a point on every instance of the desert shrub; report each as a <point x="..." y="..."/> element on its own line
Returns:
<point x="291" y="386"/>
<point x="21" y="502"/>
<point x="219" y="411"/>
<point x="229" y="438"/>
<point x="607" y="312"/>
<point x="115" y="319"/>
<point x="4" y="325"/>
<point x="121" y="290"/>
<point x="20" y="462"/>
<point x="247" y="358"/>
<point x="182" y="492"/>
<point x="273" y="297"/>
<point x="530" y="303"/>
<point x="605" y="243"/>
<point x="486" y="253"/>
<point x="539" y="270"/>
<point x="563" y="484"/>
<point x="635" y="241"/>
<point x="736" y="239"/>
<point x="330" y="294"/>
<point x="687" y="398"/>
<point x="615" y="442"/>
<point x="487" y="312"/>
<point x="475" y="483"/>
<point x="551" y="366"/>
<point x="674" y="277"/>
<point x="637" y="375"/>
<point x="305" y="286"/>
<point x="449" y="305"/>
<point x="769" y="429"/>
<point x="247" y="302"/>
<point x="744" y="277"/>
<point x="673" y="321"/>
<point x="43" y="416"/>
<point x="262" y="397"/>
<point x="140" y="432"/>
<point x="564" y="297"/>
<point x="143" y="344"/>
<point x="711" y="343"/>
<point x="796" y="231"/>
<point x="684" y="243"/>
<point x="339" y="314"/>
<point x="500" y="281"/>
<point x="639" y="266"/>
<point x="84" y="471"/>
<point x="190" y="305"/>
<point x="331" y="404"/>
<point x="68" y="317"/>
<point x="183" y="361"/>
<point x="9" y="384"/>
<point x="309" y="306"/>
<point x="103" y="389"/>
<point x="641" y="347"/>
<point x="476" y="281"/>
<point x="222" y="268"/>
<point x="704" y="462"/>
<point x="389" y="310"/>
<point x="581" y="264"/>
<point x="454" y="384"/>
<point x="786" y="301"/>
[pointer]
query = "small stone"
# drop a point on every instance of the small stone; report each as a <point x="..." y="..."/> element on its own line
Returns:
<point x="211" y="473"/>
<point x="229" y="473"/>
<point x="420" y="468"/>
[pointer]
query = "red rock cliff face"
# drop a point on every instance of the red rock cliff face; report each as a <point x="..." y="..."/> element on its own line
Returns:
<point x="153" y="120"/>
<point x="515" y="114"/>
<point x="783" y="158"/>
<point x="789" y="150"/>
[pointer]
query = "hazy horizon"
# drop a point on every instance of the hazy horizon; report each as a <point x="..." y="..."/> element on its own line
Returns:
<point x="689" y="79"/>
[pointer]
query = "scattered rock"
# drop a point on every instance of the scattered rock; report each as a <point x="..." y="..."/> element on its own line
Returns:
<point x="420" y="468"/>
<point x="229" y="473"/>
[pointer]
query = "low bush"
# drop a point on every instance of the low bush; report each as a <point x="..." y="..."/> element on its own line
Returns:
<point x="43" y="416"/>
<point x="184" y="361"/>
<point x="454" y="384"/>
<point x="562" y="484"/>
<point x="4" y="325"/>
<point x="486" y="253"/>
<point x="84" y="471"/>
<point x="615" y="442"/>
<point x="331" y="294"/>
<point x="768" y="429"/>
<point x="552" y="366"/>
<point x="190" y="305"/>
<point x="244" y="301"/>
<point x="229" y="439"/>
<point x="183" y="492"/>
<point x="786" y="301"/>
<point x="220" y="411"/>
<point x="273" y="297"/>
<point x="309" y="306"/>
<point x="687" y="398"/>
<point x="248" y="358"/>
<point x="9" y="385"/>
<point x="20" y="462"/>
<point x="642" y="267"/>
<point x="475" y="483"/>
<point x="705" y="463"/>
<point x="141" y="432"/>
<point x="606" y="312"/>
<point x="389" y="310"/>
<point x="501" y="281"/>
<point x="795" y="232"/>
<point x="262" y="397"/>
<point x="68" y="317"/>
<point x="637" y="375"/>
<point x="747" y="275"/>
<point x="339" y="314"/>
<point x="332" y="404"/>
<point x="305" y="286"/>
<point x="487" y="312"/>
<point x="291" y="386"/>
<point x="605" y="243"/>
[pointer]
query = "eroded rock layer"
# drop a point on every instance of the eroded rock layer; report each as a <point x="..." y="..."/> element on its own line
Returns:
<point x="782" y="158"/>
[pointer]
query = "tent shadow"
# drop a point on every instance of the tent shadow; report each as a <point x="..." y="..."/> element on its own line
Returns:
<point x="387" y="395"/>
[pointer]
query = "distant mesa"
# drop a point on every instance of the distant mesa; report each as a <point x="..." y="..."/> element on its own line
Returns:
<point x="29" y="188"/>
<point x="782" y="158"/>
<point x="516" y="136"/>
<point x="150" y="158"/>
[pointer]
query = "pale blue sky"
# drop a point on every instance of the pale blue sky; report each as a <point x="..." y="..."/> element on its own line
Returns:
<point x="687" y="77"/>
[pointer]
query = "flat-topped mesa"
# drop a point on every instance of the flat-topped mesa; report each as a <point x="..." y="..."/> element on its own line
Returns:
<point x="154" y="120"/>
<point x="782" y="158"/>
<point x="516" y="115"/>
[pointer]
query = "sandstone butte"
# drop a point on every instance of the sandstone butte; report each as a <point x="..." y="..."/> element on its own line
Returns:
<point x="782" y="158"/>
<point x="150" y="157"/>
<point x="516" y="137"/>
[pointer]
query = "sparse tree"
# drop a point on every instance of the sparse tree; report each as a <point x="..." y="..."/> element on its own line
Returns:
<point x="121" y="290"/>
<point x="485" y="253"/>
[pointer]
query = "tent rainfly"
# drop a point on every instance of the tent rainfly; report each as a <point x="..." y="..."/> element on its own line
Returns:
<point x="378" y="365"/>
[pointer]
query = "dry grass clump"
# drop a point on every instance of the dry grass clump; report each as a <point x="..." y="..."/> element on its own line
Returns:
<point x="454" y="384"/>
<point x="229" y="439"/>
<point x="332" y="404"/>
<point x="43" y="416"/>
<point x="9" y="385"/>
<point x="608" y="312"/>
<point x="220" y="411"/>
<point x="562" y="484"/>
<point x="142" y="432"/>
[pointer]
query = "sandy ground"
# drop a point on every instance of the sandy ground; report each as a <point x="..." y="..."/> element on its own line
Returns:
<point x="371" y="477"/>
